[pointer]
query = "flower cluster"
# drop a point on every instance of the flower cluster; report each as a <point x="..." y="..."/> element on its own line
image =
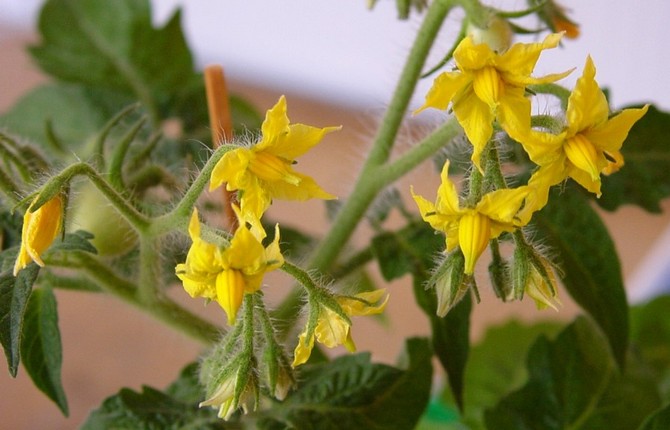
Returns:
<point x="489" y="89"/>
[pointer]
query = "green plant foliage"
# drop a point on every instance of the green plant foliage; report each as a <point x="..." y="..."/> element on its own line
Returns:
<point x="574" y="383"/>
<point x="151" y="409"/>
<point x="496" y="366"/>
<point x="590" y="267"/>
<point x="660" y="420"/>
<point x="412" y="250"/>
<point x="14" y="295"/>
<point x="351" y="392"/>
<point x="41" y="349"/>
<point x="644" y="179"/>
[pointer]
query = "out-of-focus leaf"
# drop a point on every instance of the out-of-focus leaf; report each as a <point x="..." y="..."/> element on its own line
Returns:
<point x="14" y="295"/>
<point x="660" y="420"/>
<point x="41" y="349"/>
<point x="591" y="270"/>
<point x="574" y="383"/>
<point x="644" y="179"/>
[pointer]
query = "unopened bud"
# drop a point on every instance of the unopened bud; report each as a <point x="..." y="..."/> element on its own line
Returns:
<point x="495" y="32"/>
<point x="449" y="281"/>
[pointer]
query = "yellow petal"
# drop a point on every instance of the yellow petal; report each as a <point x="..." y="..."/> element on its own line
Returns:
<point x="503" y="205"/>
<point x="583" y="155"/>
<point x="276" y="123"/>
<point x="587" y="105"/>
<point x="488" y="86"/>
<point x="474" y="233"/>
<point x="269" y="167"/>
<point x="232" y="170"/>
<point x="609" y="136"/>
<point x="331" y="330"/>
<point x="521" y="58"/>
<point x="300" y="139"/>
<point x="447" y="197"/>
<point x="470" y="56"/>
<point x="303" y="350"/>
<point x="366" y="303"/>
<point x="305" y="189"/>
<point x="476" y="118"/>
<point x="40" y="229"/>
<point x="445" y="88"/>
<point x="229" y="292"/>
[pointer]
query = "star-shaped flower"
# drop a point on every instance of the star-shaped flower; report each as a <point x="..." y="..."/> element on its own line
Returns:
<point x="225" y="275"/>
<point x="489" y="86"/>
<point x="471" y="228"/>
<point x="264" y="171"/>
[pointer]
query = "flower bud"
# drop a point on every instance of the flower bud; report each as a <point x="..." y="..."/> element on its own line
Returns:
<point x="277" y="373"/>
<point x="496" y="33"/>
<point x="450" y="282"/>
<point x="532" y="274"/>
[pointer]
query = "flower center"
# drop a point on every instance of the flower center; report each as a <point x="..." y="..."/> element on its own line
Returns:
<point x="271" y="168"/>
<point x="488" y="86"/>
<point x="474" y="233"/>
<point x="229" y="292"/>
<point x="583" y="155"/>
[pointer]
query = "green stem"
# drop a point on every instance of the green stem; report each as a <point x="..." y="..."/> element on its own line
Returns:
<point x="164" y="310"/>
<point x="181" y="213"/>
<point x="562" y="93"/>
<point x="138" y="220"/>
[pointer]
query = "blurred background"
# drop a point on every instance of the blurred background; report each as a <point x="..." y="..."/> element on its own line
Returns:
<point x="337" y="62"/>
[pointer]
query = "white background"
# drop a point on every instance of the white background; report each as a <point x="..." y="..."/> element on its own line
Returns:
<point x="340" y="51"/>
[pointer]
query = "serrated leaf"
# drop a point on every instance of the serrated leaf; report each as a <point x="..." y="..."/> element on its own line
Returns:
<point x="591" y="270"/>
<point x="41" y="349"/>
<point x="660" y="420"/>
<point x="350" y="392"/>
<point x="113" y="45"/>
<point x="150" y="409"/>
<point x="644" y="179"/>
<point x="573" y="383"/>
<point x="76" y="113"/>
<point x="79" y="240"/>
<point x="14" y="295"/>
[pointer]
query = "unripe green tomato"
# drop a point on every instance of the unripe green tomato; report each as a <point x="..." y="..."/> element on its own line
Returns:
<point x="497" y="34"/>
<point x="91" y="211"/>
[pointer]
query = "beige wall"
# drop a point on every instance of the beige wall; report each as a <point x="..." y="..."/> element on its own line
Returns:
<point x="108" y="345"/>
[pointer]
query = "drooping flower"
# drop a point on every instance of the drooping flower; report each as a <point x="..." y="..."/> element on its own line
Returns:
<point x="489" y="86"/>
<point x="589" y="144"/>
<point x="224" y="396"/>
<point x="332" y="329"/>
<point x="471" y="228"/>
<point x="556" y="17"/>
<point x="225" y="275"/>
<point x="40" y="229"/>
<point x="264" y="171"/>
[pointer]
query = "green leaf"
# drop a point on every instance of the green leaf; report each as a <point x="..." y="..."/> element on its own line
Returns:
<point x="350" y="392"/>
<point x="79" y="240"/>
<point x="496" y="366"/>
<point x="644" y="179"/>
<point x="112" y="45"/>
<point x="14" y="294"/>
<point x="574" y="383"/>
<point x="150" y="409"/>
<point x="650" y="337"/>
<point x="187" y="387"/>
<point x="660" y="420"/>
<point x="409" y="250"/>
<point x="591" y="270"/>
<point x="41" y="350"/>
<point x="76" y="113"/>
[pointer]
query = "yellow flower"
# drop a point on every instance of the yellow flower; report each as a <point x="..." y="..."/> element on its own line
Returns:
<point x="590" y="142"/>
<point x="225" y="275"/>
<point x="489" y="86"/>
<point x="223" y="397"/>
<point x="264" y="171"/>
<point x="40" y="229"/>
<point x="472" y="228"/>
<point x="332" y="329"/>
